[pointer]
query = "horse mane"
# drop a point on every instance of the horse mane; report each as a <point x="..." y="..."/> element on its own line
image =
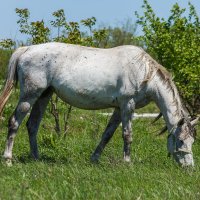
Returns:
<point x="155" y="69"/>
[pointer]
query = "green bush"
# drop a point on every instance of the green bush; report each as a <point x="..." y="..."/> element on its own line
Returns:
<point x="175" y="43"/>
<point x="4" y="58"/>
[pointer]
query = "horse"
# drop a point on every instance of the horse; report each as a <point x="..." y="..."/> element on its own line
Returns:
<point x="124" y="78"/>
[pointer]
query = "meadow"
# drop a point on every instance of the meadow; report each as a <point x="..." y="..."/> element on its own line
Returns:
<point x="64" y="170"/>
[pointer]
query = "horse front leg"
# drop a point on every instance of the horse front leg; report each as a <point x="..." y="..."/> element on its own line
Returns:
<point x="113" y="123"/>
<point x="126" y="116"/>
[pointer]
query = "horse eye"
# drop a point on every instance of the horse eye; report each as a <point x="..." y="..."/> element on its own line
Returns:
<point x="179" y="143"/>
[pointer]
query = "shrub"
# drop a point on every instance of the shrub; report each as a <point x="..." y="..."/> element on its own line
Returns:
<point x="175" y="43"/>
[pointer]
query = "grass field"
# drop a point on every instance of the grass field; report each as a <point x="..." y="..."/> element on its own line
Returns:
<point x="64" y="170"/>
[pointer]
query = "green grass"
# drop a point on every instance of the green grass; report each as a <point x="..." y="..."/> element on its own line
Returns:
<point x="64" y="170"/>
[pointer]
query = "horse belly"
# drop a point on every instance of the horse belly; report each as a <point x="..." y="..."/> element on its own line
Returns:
<point x="85" y="99"/>
<point x="88" y="95"/>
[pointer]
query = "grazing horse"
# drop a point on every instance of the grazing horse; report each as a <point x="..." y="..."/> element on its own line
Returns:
<point x="124" y="78"/>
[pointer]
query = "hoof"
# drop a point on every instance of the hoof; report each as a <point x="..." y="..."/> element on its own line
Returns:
<point x="35" y="158"/>
<point x="7" y="162"/>
<point x="127" y="159"/>
<point x="7" y="159"/>
<point x="34" y="155"/>
<point x="94" y="158"/>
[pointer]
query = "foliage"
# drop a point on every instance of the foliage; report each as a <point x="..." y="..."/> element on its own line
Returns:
<point x="5" y="53"/>
<point x="70" y="32"/>
<point x="4" y="59"/>
<point x="24" y="16"/>
<point x="37" y="30"/>
<point x="40" y="33"/>
<point x="7" y="44"/>
<point x="175" y="43"/>
<point x="60" y="21"/>
<point x="123" y="34"/>
<point x="90" y="22"/>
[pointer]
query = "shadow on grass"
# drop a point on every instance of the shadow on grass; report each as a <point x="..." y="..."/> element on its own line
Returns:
<point x="25" y="159"/>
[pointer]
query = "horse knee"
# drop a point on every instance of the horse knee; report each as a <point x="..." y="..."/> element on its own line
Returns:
<point x="127" y="136"/>
<point x="24" y="107"/>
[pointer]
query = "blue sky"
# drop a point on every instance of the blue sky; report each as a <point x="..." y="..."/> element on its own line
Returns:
<point x="108" y="12"/>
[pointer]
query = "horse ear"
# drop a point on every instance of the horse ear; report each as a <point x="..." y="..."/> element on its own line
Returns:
<point x="181" y="122"/>
<point x="195" y="121"/>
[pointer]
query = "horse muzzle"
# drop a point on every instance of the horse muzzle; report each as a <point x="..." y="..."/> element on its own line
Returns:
<point x="185" y="159"/>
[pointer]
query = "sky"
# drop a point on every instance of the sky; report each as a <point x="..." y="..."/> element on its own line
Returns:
<point x="107" y="12"/>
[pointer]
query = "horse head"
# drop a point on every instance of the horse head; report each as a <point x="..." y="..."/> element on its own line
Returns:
<point x="180" y="141"/>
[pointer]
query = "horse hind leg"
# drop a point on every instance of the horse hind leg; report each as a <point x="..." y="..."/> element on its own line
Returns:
<point x="28" y="96"/>
<point x="34" y="120"/>
<point x="114" y="122"/>
<point x="13" y="124"/>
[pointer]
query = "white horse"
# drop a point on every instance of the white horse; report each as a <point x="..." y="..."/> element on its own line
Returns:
<point x="124" y="78"/>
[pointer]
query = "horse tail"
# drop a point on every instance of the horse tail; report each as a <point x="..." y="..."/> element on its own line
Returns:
<point x="11" y="76"/>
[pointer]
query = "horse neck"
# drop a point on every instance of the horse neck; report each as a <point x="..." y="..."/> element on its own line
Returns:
<point x="168" y="100"/>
